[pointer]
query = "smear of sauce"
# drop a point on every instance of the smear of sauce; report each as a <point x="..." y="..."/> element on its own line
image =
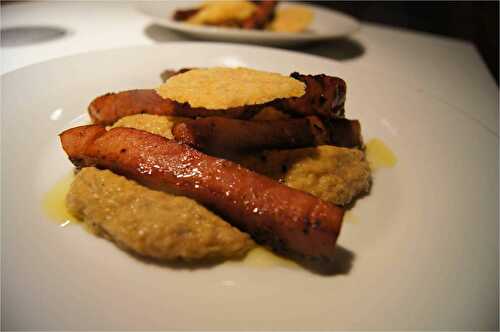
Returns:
<point x="54" y="202"/>
<point x="350" y="217"/>
<point x="261" y="257"/>
<point x="379" y="155"/>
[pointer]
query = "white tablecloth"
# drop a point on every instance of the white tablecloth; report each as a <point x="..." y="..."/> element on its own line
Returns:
<point x="442" y="68"/>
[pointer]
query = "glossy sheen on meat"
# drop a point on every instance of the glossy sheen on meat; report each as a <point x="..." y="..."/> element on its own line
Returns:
<point x="216" y="134"/>
<point x="107" y="109"/>
<point x="285" y="219"/>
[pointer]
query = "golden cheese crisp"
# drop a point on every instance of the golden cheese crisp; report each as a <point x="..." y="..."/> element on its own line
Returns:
<point x="214" y="12"/>
<point x="291" y="19"/>
<point x="224" y="88"/>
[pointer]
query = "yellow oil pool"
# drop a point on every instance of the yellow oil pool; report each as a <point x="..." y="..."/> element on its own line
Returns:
<point x="54" y="205"/>
<point x="379" y="155"/>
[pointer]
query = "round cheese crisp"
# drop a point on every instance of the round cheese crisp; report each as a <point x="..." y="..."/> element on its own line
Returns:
<point x="213" y="12"/>
<point x="224" y="88"/>
<point x="291" y="19"/>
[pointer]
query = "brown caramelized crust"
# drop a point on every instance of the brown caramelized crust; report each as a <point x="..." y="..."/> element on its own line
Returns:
<point x="325" y="96"/>
<point x="217" y="135"/>
<point x="107" y="109"/>
<point x="283" y="218"/>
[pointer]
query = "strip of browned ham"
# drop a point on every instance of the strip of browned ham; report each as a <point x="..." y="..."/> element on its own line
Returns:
<point x="107" y="109"/>
<point x="216" y="135"/>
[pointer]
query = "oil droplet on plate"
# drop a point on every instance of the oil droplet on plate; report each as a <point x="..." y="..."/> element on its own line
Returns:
<point x="54" y="202"/>
<point x="264" y="258"/>
<point x="350" y="217"/>
<point x="379" y="155"/>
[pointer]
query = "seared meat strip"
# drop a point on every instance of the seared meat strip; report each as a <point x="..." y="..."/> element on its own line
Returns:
<point x="107" y="109"/>
<point x="216" y="134"/>
<point x="283" y="218"/>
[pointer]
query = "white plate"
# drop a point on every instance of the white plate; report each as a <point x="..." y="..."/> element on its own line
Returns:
<point x="327" y="24"/>
<point x="424" y="246"/>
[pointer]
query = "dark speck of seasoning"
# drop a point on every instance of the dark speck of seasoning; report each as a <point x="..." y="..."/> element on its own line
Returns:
<point x="284" y="168"/>
<point x="307" y="225"/>
<point x="123" y="150"/>
<point x="322" y="100"/>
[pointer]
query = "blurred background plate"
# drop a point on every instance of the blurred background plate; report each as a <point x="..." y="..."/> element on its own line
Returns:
<point x="421" y="252"/>
<point x="327" y="24"/>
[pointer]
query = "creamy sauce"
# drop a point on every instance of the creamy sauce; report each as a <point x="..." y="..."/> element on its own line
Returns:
<point x="379" y="155"/>
<point x="54" y="202"/>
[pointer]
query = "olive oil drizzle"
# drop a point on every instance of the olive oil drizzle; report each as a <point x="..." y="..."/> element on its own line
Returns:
<point x="379" y="155"/>
<point x="54" y="202"/>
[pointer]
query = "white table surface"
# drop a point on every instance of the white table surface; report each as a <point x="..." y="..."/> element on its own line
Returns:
<point x="442" y="68"/>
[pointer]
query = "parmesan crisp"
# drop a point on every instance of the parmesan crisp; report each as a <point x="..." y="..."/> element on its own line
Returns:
<point x="224" y="88"/>
<point x="214" y="12"/>
<point x="291" y="19"/>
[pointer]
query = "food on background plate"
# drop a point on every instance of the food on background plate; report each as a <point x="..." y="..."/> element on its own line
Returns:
<point x="288" y="200"/>
<point x="243" y="14"/>
<point x="291" y="19"/>
<point x="236" y="14"/>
